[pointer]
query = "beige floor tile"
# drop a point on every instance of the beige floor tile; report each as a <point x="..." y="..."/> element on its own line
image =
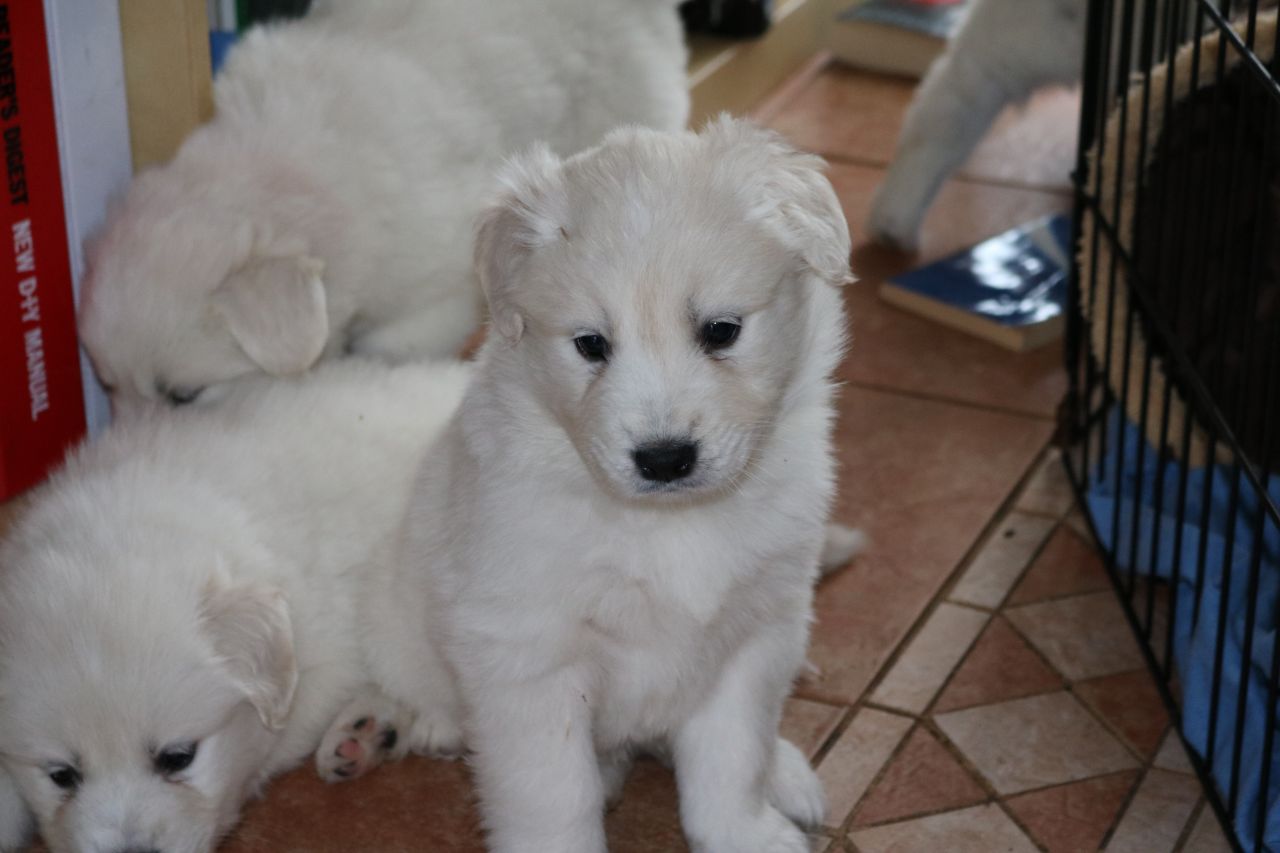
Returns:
<point x="1207" y="835"/>
<point x="1033" y="742"/>
<point x="1156" y="815"/>
<point x="851" y="765"/>
<point x="929" y="658"/>
<point x="1085" y="636"/>
<point x="809" y="724"/>
<point x="981" y="829"/>
<point x="1172" y="756"/>
<point x="1048" y="492"/>
<point x="1076" y="520"/>
<point x="1001" y="560"/>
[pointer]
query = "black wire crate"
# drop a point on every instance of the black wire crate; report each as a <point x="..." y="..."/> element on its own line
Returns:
<point x="1172" y="420"/>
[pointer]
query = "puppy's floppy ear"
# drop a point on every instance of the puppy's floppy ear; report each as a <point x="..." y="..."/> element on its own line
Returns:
<point x="252" y="636"/>
<point x="527" y="214"/>
<point x="788" y="191"/>
<point x="275" y="308"/>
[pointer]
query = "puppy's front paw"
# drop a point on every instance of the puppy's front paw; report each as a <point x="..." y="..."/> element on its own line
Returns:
<point x="771" y="832"/>
<point x="367" y="733"/>
<point x="794" y="788"/>
<point x="894" y="221"/>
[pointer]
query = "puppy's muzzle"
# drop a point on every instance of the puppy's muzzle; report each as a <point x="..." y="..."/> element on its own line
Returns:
<point x="666" y="461"/>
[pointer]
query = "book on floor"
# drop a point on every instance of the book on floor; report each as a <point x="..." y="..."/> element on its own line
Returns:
<point x="1010" y="290"/>
<point x="894" y="36"/>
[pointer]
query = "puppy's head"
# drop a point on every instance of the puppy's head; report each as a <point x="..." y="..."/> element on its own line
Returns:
<point x="136" y="703"/>
<point x="188" y="289"/>
<point x="665" y="295"/>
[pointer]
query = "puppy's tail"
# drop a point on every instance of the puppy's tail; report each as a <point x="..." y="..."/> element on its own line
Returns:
<point x="841" y="545"/>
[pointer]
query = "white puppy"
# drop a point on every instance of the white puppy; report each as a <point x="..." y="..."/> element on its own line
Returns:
<point x="621" y="529"/>
<point x="1002" y="52"/>
<point x="328" y="206"/>
<point x="180" y="608"/>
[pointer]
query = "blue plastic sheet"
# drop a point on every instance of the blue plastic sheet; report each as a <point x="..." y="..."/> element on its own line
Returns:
<point x="1207" y="528"/>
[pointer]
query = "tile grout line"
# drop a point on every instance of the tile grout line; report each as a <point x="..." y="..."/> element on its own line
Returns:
<point x="1192" y="821"/>
<point x="938" y="398"/>
<point x="868" y="162"/>
<point x="956" y="572"/>
<point x="1005" y="507"/>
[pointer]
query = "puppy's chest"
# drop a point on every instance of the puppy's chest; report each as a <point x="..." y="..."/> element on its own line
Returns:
<point x="655" y="658"/>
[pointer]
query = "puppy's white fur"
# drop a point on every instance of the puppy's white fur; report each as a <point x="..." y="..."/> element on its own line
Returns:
<point x="328" y="206"/>
<point x="200" y="577"/>
<point x="584" y="608"/>
<point x="1002" y="52"/>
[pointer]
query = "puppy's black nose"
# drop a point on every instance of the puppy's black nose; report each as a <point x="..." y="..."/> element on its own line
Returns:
<point x="664" y="461"/>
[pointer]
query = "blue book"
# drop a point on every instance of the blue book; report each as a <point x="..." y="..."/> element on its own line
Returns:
<point x="1010" y="290"/>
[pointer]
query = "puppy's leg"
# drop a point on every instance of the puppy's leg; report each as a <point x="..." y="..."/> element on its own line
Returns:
<point x="1003" y="51"/>
<point x="793" y="786"/>
<point x="726" y="758"/>
<point x="16" y="825"/>
<point x="536" y="766"/>
<point x="371" y="729"/>
<point x="615" y="767"/>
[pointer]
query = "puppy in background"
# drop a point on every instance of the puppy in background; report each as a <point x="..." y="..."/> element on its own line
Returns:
<point x="1003" y="51"/>
<point x="182" y="609"/>
<point x="620" y="531"/>
<point x="327" y="208"/>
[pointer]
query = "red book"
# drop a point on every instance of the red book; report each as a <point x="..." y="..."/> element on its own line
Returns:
<point x="41" y="397"/>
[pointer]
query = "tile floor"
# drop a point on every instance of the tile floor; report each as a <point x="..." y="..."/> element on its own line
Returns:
<point x="975" y="687"/>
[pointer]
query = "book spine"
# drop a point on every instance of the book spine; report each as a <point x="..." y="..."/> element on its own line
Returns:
<point x="41" y="402"/>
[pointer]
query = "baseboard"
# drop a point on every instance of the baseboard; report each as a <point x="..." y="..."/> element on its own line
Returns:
<point x="734" y="76"/>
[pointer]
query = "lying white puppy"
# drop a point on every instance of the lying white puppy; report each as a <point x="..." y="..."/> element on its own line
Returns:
<point x="181" y="607"/>
<point x="621" y="529"/>
<point x="328" y="206"/>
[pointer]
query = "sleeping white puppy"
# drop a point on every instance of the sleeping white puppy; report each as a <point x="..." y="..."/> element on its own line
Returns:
<point x="328" y="206"/>
<point x="180" y="607"/>
<point x="620" y="530"/>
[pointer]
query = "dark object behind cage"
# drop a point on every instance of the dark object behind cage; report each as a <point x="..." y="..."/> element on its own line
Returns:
<point x="1173" y="414"/>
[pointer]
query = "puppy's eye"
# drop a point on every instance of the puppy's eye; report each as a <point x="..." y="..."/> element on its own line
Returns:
<point x="182" y="396"/>
<point x="719" y="334"/>
<point x="592" y="347"/>
<point x="175" y="759"/>
<point x="65" y="777"/>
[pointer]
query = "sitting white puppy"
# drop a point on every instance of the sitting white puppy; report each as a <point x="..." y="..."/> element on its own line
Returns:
<point x="621" y="529"/>
<point x="181" y="608"/>
<point x="328" y="206"/>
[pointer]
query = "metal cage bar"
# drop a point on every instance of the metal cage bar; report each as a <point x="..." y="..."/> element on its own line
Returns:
<point x="1172" y="441"/>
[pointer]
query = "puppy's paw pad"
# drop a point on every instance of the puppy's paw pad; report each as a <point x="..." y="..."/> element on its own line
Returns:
<point x="349" y="751"/>
<point x="794" y="788"/>
<point x="437" y="735"/>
